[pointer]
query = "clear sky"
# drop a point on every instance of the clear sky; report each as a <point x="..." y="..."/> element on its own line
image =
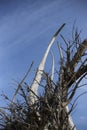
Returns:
<point x="26" y="27"/>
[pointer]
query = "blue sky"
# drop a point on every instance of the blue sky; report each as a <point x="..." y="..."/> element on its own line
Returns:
<point x="26" y="27"/>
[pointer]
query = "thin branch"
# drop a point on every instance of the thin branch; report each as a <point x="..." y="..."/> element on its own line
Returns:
<point x="19" y="86"/>
<point x="76" y="86"/>
<point x="80" y="52"/>
<point x="52" y="75"/>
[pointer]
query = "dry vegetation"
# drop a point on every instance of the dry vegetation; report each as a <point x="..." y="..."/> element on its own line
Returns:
<point x="50" y="110"/>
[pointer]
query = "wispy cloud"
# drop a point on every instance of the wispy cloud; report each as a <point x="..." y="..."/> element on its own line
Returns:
<point x="82" y="118"/>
